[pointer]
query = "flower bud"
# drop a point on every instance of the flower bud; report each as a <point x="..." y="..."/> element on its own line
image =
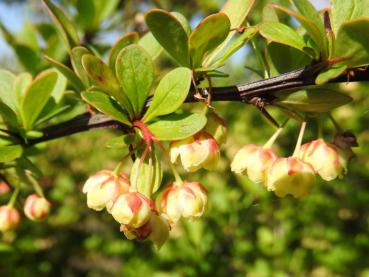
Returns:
<point x="36" y="208"/>
<point x="254" y="161"/>
<point x="103" y="188"/>
<point x="133" y="209"/>
<point x="199" y="150"/>
<point x="327" y="159"/>
<point x="4" y="188"/>
<point x="216" y="127"/>
<point x="188" y="200"/>
<point x="9" y="218"/>
<point x="290" y="176"/>
<point x="155" y="229"/>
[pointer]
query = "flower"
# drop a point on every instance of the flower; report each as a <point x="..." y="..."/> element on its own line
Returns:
<point x="36" y="208"/>
<point x="216" y="127"/>
<point x="290" y="176"/>
<point x="155" y="229"/>
<point x="328" y="160"/>
<point x="254" y="161"/>
<point x="133" y="209"/>
<point x="188" y="200"/>
<point x="9" y="218"/>
<point x="199" y="150"/>
<point x="4" y="188"/>
<point x="103" y="188"/>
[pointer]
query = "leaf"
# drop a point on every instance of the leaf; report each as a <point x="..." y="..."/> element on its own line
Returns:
<point x="311" y="28"/>
<point x="170" y="93"/>
<point x="68" y="73"/>
<point x="65" y="26"/>
<point x="236" y="10"/>
<point x="341" y="11"/>
<point x="170" y="33"/>
<point x="102" y="76"/>
<point x="105" y="104"/>
<point x="211" y="32"/>
<point x="330" y="73"/>
<point x="36" y="97"/>
<point x="21" y="82"/>
<point x="76" y="59"/>
<point x="28" y="57"/>
<point x="10" y="153"/>
<point x="352" y="41"/>
<point x="184" y="22"/>
<point x="147" y="175"/>
<point x="60" y="87"/>
<point x="7" y="94"/>
<point x="151" y="45"/>
<point x="135" y="72"/>
<point x="314" y="100"/>
<point x="123" y="41"/>
<point x="121" y="141"/>
<point x="281" y="33"/>
<point x="8" y="116"/>
<point x="177" y="126"/>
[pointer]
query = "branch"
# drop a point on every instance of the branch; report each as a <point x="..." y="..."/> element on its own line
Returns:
<point x="265" y="88"/>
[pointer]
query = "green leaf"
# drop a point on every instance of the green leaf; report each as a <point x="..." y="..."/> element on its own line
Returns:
<point x="135" y="72"/>
<point x="236" y="10"/>
<point x="105" y="104"/>
<point x="10" y="153"/>
<point x="60" y="87"/>
<point x="177" y="126"/>
<point x="170" y="33"/>
<point x="7" y="95"/>
<point x="122" y="42"/>
<point x="151" y="45"/>
<point x="330" y="73"/>
<point x="352" y="42"/>
<point x="8" y="116"/>
<point x="314" y="100"/>
<point x="28" y="57"/>
<point x="65" y="26"/>
<point x="76" y="59"/>
<point x="102" y="76"/>
<point x="21" y="82"/>
<point x="211" y="32"/>
<point x="121" y="142"/>
<point x="68" y="73"/>
<point x="170" y="93"/>
<point x="184" y="22"/>
<point x="36" y="97"/>
<point x="281" y="33"/>
<point x="341" y="11"/>
<point x="104" y="9"/>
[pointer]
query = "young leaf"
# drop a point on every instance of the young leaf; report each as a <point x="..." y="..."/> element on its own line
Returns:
<point x="330" y="73"/>
<point x="211" y="32"/>
<point x="169" y="32"/>
<point x="68" y="73"/>
<point x="122" y="42"/>
<point x="105" y="104"/>
<point x="177" y="126"/>
<point x="352" y="42"/>
<point x="281" y="33"/>
<point x="170" y="93"/>
<point x="151" y="45"/>
<point x="7" y="95"/>
<point x="10" y="153"/>
<point x="236" y="10"/>
<point x="66" y="27"/>
<point x="76" y="59"/>
<point x="36" y="97"/>
<point x="135" y="72"/>
<point x="102" y="76"/>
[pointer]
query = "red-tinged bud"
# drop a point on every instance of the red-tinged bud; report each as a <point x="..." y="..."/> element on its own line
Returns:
<point x="103" y="188"/>
<point x="290" y="176"/>
<point x="328" y="160"/>
<point x="9" y="218"/>
<point x="36" y="208"/>
<point x="4" y="188"/>
<point x="133" y="209"/>
<point x="199" y="150"/>
<point x="216" y="127"/>
<point x="188" y="200"/>
<point x="155" y="229"/>
<point x="254" y="161"/>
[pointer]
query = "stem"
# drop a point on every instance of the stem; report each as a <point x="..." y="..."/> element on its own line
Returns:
<point x="177" y="177"/>
<point x="36" y="185"/>
<point x="13" y="199"/>
<point x="319" y="126"/>
<point x="271" y="141"/>
<point x="299" y="140"/>
<point x="335" y="123"/>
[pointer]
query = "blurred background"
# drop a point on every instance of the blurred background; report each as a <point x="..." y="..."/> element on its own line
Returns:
<point x="247" y="231"/>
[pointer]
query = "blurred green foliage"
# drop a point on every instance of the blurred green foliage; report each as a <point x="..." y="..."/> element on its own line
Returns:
<point x="246" y="231"/>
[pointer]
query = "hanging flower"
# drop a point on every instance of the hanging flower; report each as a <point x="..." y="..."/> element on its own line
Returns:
<point x="4" y="188"/>
<point x="199" y="150"/>
<point x="216" y="127"/>
<point x="36" y="208"/>
<point x="188" y="200"/>
<point x="9" y="218"/>
<point x="103" y="188"/>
